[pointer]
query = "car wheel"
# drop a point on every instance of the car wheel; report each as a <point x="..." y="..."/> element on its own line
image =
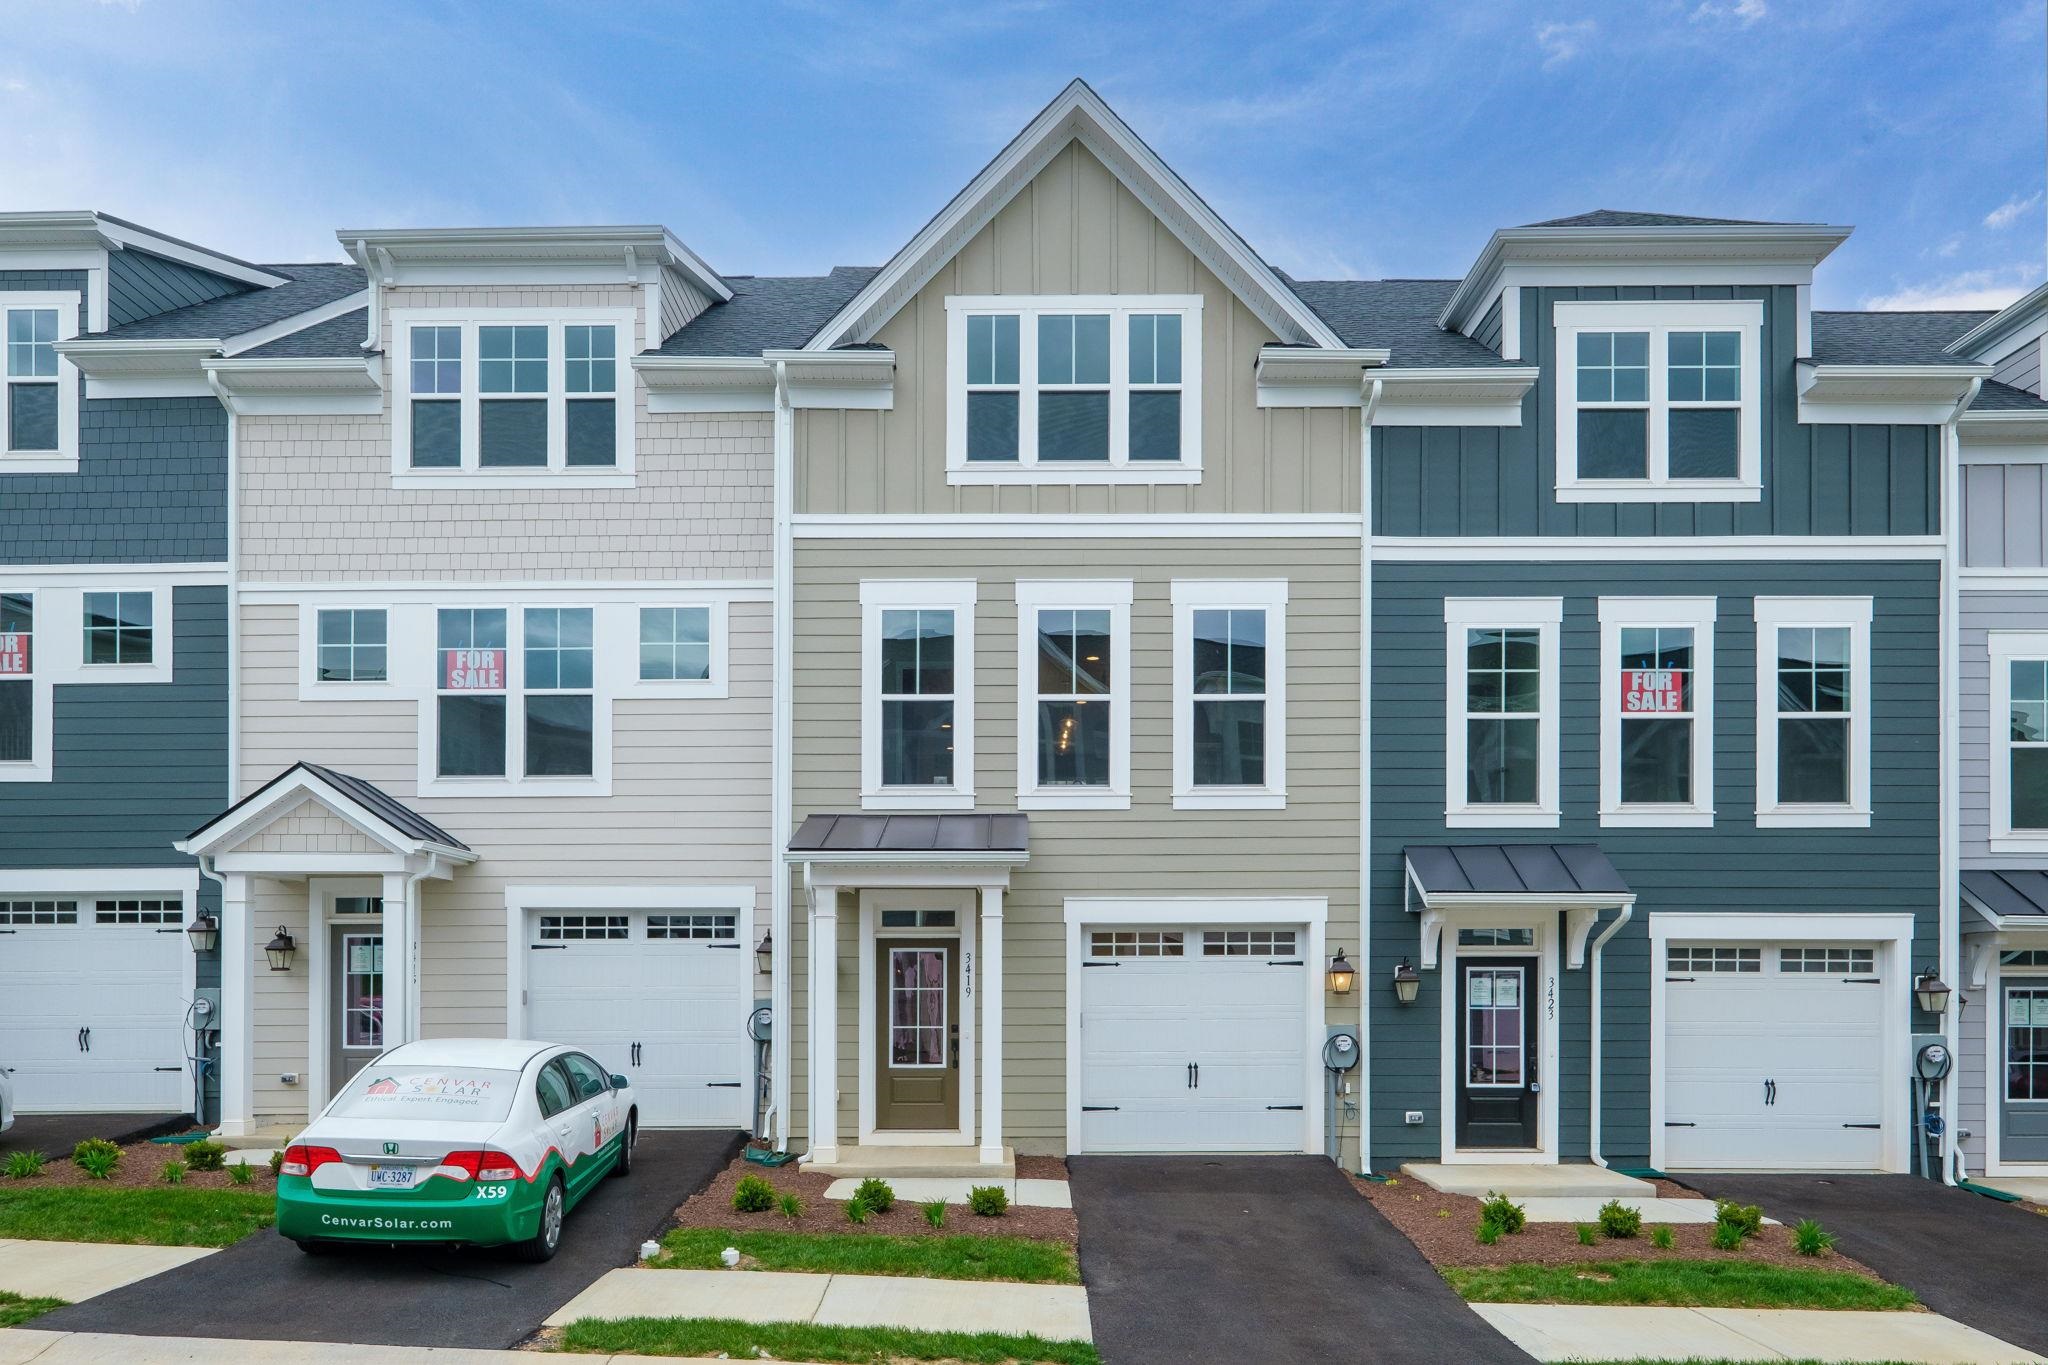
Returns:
<point x="316" y="1248"/>
<point x="548" y="1238"/>
<point x="624" y="1165"/>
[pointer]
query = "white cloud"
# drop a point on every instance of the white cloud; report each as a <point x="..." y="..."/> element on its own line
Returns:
<point x="1743" y="12"/>
<point x="1991" y="288"/>
<point x="1950" y="247"/>
<point x="2011" y="211"/>
<point x="1562" y="42"/>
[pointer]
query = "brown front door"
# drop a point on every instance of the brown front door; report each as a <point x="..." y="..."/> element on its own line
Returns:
<point x="917" y="1067"/>
<point x="357" y="986"/>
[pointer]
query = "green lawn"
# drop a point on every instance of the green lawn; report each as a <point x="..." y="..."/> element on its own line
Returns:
<point x="809" y="1341"/>
<point x="853" y="1253"/>
<point x="171" y="1217"/>
<point x="15" y="1310"/>
<point x="1676" y="1284"/>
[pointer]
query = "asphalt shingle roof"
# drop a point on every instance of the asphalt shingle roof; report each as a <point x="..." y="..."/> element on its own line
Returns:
<point x="1625" y="218"/>
<point x="341" y="337"/>
<point x="768" y="312"/>
<point x="308" y="287"/>
<point x="1890" y="338"/>
<point x="376" y="800"/>
<point x="1397" y="314"/>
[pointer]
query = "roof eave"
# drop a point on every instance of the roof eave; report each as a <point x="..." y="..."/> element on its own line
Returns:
<point x="373" y="248"/>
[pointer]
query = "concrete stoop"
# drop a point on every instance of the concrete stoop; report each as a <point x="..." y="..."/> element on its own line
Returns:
<point x="921" y="1163"/>
<point x="1519" y="1180"/>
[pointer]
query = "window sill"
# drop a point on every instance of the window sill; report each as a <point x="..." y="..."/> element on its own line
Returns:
<point x="2019" y="843"/>
<point x="1634" y="491"/>
<point x="25" y="772"/>
<point x="1074" y="800"/>
<point x="40" y="462"/>
<point x="993" y="473"/>
<point x="503" y="478"/>
<point x="918" y="799"/>
<point x="666" y="689"/>
<point x="1511" y="817"/>
<point x="1818" y="817"/>
<point x="1231" y="798"/>
<point x="531" y="787"/>
<point x="1637" y="817"/>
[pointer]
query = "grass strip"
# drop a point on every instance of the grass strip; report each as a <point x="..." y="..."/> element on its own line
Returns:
<point x="814" y="1341"/>
<point x="15" y="1310"/>
<point x="170" y="1217"/>
<point x="1677" y="1284"/>
<point x="857" y="1253"/>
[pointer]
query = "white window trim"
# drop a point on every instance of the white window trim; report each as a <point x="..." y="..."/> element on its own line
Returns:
<point x="1189" y="596"/>
<point x="2006" y="648"/>
<point x="1771" y="613"/>
<point x="470" y="474"/>
<point x="1119" y="469"/>
<point x="714" y="686"/>
<point x="161" y="638"/>
<point x="57" y="655"/>
<point x="957" y="596"/>
<point x="1062" y="594"/>
<point x="312" y="686"/>
<point x="1699" y="614"/>
<point x="64" y="459"/>
<point x="1660" y="319"/>
<point x="1461" y="614"/>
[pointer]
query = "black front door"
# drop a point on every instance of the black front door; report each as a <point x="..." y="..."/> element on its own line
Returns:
<point x="1496" y="1061"/>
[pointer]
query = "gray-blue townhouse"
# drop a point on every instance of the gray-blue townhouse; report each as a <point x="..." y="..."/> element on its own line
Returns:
<point x="115" y="643"/>
<point x="1654" y="703"/>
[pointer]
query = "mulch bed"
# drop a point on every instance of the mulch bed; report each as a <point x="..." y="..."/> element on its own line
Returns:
<point x="712" y="1208"/>
<point x="1444" y="1227"/>
<point x="142" y="1163"/>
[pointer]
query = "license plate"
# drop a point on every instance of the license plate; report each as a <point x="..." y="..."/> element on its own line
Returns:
<point x="392" y="1177"/>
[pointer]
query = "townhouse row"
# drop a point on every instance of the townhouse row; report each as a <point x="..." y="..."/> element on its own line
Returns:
<point x="1071" y="688"/>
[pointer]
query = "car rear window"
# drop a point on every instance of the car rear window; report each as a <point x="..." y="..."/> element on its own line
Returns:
<point x="428" y="1092"/>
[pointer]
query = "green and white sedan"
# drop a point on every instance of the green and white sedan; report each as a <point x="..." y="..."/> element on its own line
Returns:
<point x="478" y="1142"/>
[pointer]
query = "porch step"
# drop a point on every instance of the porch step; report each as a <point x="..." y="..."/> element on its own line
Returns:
<point x="266" y="1140"/>
<point x="931" y="1163"/>
<point x="1528" y="1181"/>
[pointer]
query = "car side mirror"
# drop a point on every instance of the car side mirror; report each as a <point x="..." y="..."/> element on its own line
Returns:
<point x="620" y="1082"/>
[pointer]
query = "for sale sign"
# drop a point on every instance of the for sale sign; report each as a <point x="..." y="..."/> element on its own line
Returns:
<point x="14" y="654"/>
<point x="1652" y="691"/>
<point x="473" y="670"/>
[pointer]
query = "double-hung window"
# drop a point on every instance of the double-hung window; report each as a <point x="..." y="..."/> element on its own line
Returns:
<point x="1229" y="694"/>
<point x="1660" y="401"/>
<point x="512" y="378"/>
<point x="559" y="694"/>
<point x="1073" y="698"/>
<point x="2019" y="741"/>
<point x="473" y="684"/>
<point x="520" y="716"/>
<point x="436" y="397"/>
<point x="120" y="627"/>
<point x="1501" y="711"/>
<point x="1657" y="711"/>
<point x="917" y="694"/>
<point x="39" y="404"/>
<point x="1813" y="711"/>
<point x="17" y="678"/>
<point x="1074" y="388"/>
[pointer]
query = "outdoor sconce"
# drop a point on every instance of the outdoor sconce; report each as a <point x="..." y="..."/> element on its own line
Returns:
<point x="1343" y="976"/>
<point x="1931" y="992"/>
<point x="280" y="950"/>
<point x="1407" y="983"/>
<point x="204" y="933"/>
<point x="764" y="952"/>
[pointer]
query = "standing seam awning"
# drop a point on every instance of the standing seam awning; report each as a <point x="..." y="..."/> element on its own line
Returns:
<point x="1575" y="878"/>
<point x="2008" y="898"/>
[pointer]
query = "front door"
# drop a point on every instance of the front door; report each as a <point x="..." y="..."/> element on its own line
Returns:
<point x="357" y="993"/>
<point x="917" y="1069"/>
<point x="1496" y="1062"/>
<point x="2023" y="1117"/>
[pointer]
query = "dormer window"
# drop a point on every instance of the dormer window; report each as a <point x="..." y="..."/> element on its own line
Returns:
<point x="1074" y="389"/>
<point x="1659" y="402"/>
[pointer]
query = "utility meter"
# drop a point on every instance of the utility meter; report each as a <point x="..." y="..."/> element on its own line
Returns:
<point x="1933" y="1061"/>
<point x="759" y="1024"/>
<point x="1340" y="1053"/>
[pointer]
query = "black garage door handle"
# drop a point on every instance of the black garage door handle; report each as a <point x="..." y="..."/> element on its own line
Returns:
<point x="722" y="1085"/>
<point x="1863" y="1125"/>
<point x="1100" y="1108"/>
<point x="1669" y="1124"/>
<point x="1283" y="1106"/>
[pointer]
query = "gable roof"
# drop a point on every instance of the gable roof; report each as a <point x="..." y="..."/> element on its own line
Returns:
<point x="768" y="313"/>
<point x="1077" y="114"/>
<point x="1601" y="218"/>
<point x="369" y="803"/>
<point x="1919" y="338"/>
<point x="306" y="287"/>
<point x="1995" y="327"/>
<point x="336" y="338"/>
<point x="1399" y="316"/>
<point x="1997" y="397"/>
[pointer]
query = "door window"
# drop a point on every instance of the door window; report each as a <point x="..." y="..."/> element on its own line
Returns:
<point x="2026" y="1043"/>
<point x="362" y="991"/>
<point x="917" y="1007"/>
<point x="585" y="1076"/>
<point x="1493" y="1026"/>
<point x="552" y="1090"/>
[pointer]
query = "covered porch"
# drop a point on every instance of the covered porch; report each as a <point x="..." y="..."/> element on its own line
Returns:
<point x="2005" y="963"/>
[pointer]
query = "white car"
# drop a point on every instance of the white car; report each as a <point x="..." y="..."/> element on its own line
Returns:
<point x="481" y="1142"/>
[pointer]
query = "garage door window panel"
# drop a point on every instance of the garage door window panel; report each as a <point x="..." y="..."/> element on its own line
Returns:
<point x="18" y="691"/>
<point x="1136" y="943"/>
<point x="1813" y="740"/>
<point x="705" y="928"/>
<point x="139" y="912"/>
<point x="38" y="912"/>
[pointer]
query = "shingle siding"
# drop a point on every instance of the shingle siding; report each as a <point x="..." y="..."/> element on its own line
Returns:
<point x="151" y="488"/>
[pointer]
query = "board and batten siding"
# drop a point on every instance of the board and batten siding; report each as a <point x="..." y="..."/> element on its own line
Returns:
<point x="2005" y="514"/>
<point x="1075" y="229"/>
<point x="1151" y="850"/>
<point x="689" y="806"/>
<point x="1734" y="866"/>
<point x="1830" y="480"/>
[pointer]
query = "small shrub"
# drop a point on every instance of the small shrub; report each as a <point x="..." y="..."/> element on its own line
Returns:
<point x="1727" y="1237"/>
<point x="1746" y="1219"/>
<point x="857" y="1211"/>
<point x="276" y="1162"/>
<point x="1489" y="1233"/>
<point x="206" y="1156"/>
<point x="240" y="1174"/>
<point x="1588" y="1234"/>
<point x="173" y="1172"/>
<point x="1620" y="1220"/>
<point x="934" y="1211"/>
<point x="22" y="1165"/>
<point x="1503" y="1213"/>
<point x="876" y="1194"/>
<point x="97" y="1165"/>
<point x="791" y="1206"/>
<point x="753" y="1195"/>
<point x="1662" y="1238"/>
<point x="1811" y="1239"/>
<point x="95" y="1147"/>
<point x="988" y="1201"/>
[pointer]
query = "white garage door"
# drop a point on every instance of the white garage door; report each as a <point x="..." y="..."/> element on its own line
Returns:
<point x="92" y="1005"/>
<point x="1192" y="1039"/>
<point x="1773" y="1057"/>
<point x="652" y="996"/>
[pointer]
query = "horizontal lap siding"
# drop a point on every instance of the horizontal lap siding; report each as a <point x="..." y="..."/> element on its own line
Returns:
<point x="1892" y="866"/>
<point x="1982" y="613"/>
<point x="1308" y="849"/>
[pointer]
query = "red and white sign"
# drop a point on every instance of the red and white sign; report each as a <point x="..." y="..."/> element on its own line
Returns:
<point x="14" y="656"/>
<point x="473" y="670"/>
<point x="1652" y="691"/>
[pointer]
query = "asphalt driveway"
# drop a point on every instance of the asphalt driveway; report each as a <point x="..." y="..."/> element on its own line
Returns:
<point x="56" y="1134"/>
<point x="264" y="1287"/>
<point x="1971" y="1258"/>
<point x="1258" y="1259"/>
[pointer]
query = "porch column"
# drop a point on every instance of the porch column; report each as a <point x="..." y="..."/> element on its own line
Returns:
<point x="824" y="1024"/>
<point x="991" y="944"/>
<point x="401" y="953"/>
<point x="237" y="987"/>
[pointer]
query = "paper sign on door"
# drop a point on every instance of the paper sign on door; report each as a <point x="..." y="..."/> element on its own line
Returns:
<point x="1652" y="691"/>
<point x="14" y="657"/>
<point x="473" y="670"/>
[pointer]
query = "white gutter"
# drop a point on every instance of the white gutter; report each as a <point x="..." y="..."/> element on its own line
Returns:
<point x="1370" y="387"/>
<point x="1949" y="958"/>
<point x="779" y="744"/>
<point x="416" y="918"/>
<point x="1593" y="1031"/>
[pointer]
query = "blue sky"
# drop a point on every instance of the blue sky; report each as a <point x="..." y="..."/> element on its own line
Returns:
<point x="1360" y="139"/>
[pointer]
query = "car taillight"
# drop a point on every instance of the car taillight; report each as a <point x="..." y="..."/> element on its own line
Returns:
<point x="306" y="1160"/>
<point x="462" y="1165"/>
<point x="480" y="1166"/>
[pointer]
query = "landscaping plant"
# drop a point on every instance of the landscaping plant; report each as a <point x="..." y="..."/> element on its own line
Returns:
<point x="934" y="1212"/>
<point x="1619" y="1220"/>
<point x="1746" y="1219"/>
<point x="1661" y="1238"/>
<point x="1489" y="1233"/>
<point x="173" y="1172"/>
<point x="206" y="1156"/>
<point x="1588" y="1234"/>
<point x="753" y="1195"/>
<point x="857" y="1211"/>
<point x="1727" y="1237"/>
<point x="988" y="1201"/>
<point x="1503" y="1213"/>
<point x="95" y="1148"/>
<point x="791" y="1206"/>
<point x="22" y="1165"/>
<point x="276" y="1162"/>
<point x="1810" y="1239"/>
<point x="240" y="1174"/>
<point x="878" y="1195"/>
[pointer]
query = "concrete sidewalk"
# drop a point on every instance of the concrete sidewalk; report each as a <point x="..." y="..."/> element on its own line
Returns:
<point x="1551" y="1331"/>
<point x="1040" y="1194"/>
<point x="76" y="1271"/>
<point x="1056" y="1312"/>
<point x="1586" y="1209"/>
<point x="27" y="1346"/>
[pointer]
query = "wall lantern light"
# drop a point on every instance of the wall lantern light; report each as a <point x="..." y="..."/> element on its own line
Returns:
<point x="204" y="933"/>
<point x="1343" y="976"/>
<point x="1407" y="983"/>
<point x="1931" y="992"/>
<point x="764" y="952"/>
<point x="280" y="950"/>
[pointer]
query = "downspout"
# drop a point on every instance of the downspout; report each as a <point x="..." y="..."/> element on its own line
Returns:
<point x="416" y="916"/>
<point x="1370" y="389"/>
<point x="810" y="1005"/>
<point x="232" y="513"/>
<point x="779" y="782"/>
<point x="206" y="870"/>
<point x="1593" y="1032"/>
<point x="1949" y="949"/>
